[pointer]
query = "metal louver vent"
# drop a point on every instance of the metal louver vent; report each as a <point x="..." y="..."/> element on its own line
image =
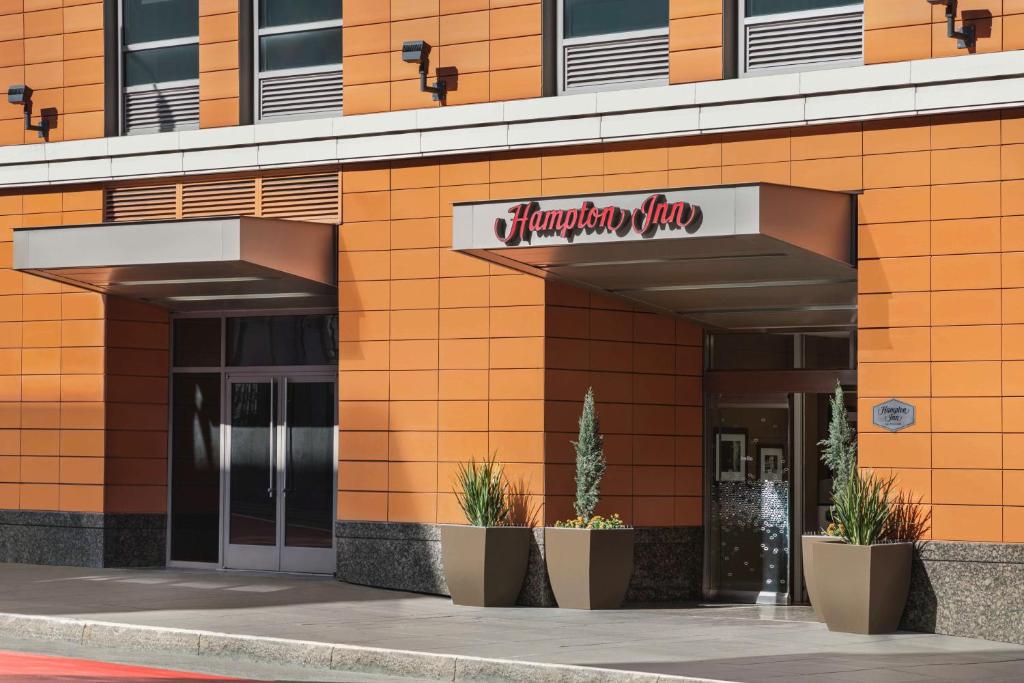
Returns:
<point x="219" y="198"/>
<point x="302" y="95"/>
<point x="602" y="62"/>
<point x="837" y="36"/>
<point x="141" y="203"/>
<point x="160" y="110"/>
<point x="310" y="197"/>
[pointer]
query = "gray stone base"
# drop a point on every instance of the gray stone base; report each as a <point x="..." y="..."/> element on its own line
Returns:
<point x="668" y="562"/>
<point x="83" y="539"/>
<point x="967" y="589"/>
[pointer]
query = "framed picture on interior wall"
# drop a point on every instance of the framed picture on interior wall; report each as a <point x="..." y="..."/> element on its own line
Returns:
<point x="772" y="459"/>
<point x="731" y="455"/>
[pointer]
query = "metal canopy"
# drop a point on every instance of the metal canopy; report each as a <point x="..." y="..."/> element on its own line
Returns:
<point x="747" y="257"/>
<point x="189" y="265"/>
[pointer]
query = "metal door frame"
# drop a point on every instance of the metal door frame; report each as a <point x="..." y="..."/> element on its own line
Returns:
<point x="297" y="560"/>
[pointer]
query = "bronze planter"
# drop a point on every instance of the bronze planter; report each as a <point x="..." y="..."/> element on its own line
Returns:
<point x="862" y="588"/>
<point x="589" y="568"/>
<point x="485" y="566"/>
<point x="807" y="543"/>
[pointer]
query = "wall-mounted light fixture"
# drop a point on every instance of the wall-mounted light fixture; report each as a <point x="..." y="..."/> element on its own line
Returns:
<point x="418" y="51"/>
<point x="22" y="94"/>
<point x="967" y="35"/>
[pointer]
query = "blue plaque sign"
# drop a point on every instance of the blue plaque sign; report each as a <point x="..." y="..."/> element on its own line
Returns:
<point x="893" y="415"/>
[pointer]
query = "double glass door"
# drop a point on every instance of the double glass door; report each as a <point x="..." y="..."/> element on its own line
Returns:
<point x="279" y="489"/>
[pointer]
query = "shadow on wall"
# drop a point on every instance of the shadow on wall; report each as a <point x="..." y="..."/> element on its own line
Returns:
<point x="922" y="603"/>
<point x="981" y="20"/>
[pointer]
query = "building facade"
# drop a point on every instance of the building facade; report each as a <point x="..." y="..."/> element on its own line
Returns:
<point x="260" y="293"/>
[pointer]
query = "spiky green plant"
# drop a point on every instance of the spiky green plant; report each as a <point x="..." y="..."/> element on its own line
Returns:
<point x="590" y="462"/>
<point x="483" y="492"/>
<point x="862" y="506"/>
<point x="839" y="450"/>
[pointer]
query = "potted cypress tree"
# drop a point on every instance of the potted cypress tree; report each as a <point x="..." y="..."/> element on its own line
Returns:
<point x="864" y="580"/>
<point x="839" y="454"/>
<point x="589" y="558"/>
<point x="484" y="562"/>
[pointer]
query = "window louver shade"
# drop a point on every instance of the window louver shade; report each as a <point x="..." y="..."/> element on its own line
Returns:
<point x="834" y="37"/>
<point x="301" y="96"/>
<point x="164" y="109"/>
<point x="311" y="197"/>
<point x="602" y="62"/>
<point x="219" y="198"/>
<point x="141" y="203"/>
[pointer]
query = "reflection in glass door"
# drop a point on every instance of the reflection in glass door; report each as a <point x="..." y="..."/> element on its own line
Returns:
<point x="280" y="481"/>
<point x="751" y="487"/>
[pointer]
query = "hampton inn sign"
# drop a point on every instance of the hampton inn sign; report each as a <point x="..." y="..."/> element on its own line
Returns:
<point x="741" y="257"/>
<point x="653" y="213"/>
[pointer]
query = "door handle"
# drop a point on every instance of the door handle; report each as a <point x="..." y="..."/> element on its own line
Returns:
<point x="272" y="431"/>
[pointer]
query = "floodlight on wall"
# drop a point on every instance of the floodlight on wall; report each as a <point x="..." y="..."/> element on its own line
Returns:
<point x="22" y="94"/>
<point x="418" y="52"/>
<point x="967" y="36"/>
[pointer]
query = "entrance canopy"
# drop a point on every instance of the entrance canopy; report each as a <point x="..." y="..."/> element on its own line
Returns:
<point x="188" y="265"/>
<point x="747" y="257"/>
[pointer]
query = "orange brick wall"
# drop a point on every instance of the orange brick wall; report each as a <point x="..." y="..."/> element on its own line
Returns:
<point x="646" y="372"/>
<point x="57" y="49"/>
<point x="52" y="368"/>
<point x="898" y="30"/>
<point x="942" y="315"/>
<point x="218" y="63"/>
<point x="495" y="46"/>
<point x="695" y="41"/>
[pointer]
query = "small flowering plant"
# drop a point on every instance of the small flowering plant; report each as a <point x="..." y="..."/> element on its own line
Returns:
<point x="595" y="522"/>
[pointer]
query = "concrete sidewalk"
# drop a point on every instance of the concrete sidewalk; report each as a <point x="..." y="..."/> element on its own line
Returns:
<point x="747" y="644"/>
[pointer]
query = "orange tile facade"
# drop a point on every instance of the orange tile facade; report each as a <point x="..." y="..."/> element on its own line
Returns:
<point x="695" y="33"/>
<point x="486" y="50"/>
<point x="897" y="30"/>
<point x="56" y="48"/>
<point x="218" y="63"/>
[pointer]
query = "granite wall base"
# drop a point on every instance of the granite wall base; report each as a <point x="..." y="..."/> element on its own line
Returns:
<point x="967" y="589"/>
<point x="83" y="539"/>
<point x="668" y="562"/>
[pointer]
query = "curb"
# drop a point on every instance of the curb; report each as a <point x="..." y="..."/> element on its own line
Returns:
<point x="316" y="655"/>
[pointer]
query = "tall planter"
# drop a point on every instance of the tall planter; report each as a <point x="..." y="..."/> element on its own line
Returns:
<point x="589" y="568"/>
<point x="807" y="545"/>
<point x="862" y="588"/>
<point x="485" y="566"/>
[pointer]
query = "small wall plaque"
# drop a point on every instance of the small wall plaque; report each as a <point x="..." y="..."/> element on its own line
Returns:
<point x="893" y="415"/>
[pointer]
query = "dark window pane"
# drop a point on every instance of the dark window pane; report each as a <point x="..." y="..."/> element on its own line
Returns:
<point x="757" y="8"/>
<point x="253" y="511"/>
<point x="302" y="49"/>
<point x="751" y="352"/>
<point x="283" y="340"/>
<point x="285" y="12"/>
<point x="195" y="468"/>
<point x="594" y="17"/>
<point x="177" y="63"/>
<point x="826" y="353"/>
<point x="309" y="465"/>
<point x="147" y="20"/>
<point x="197" y="343"/>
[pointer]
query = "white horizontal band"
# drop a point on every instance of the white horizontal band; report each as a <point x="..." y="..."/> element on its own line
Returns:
<point x="963" y="83"/>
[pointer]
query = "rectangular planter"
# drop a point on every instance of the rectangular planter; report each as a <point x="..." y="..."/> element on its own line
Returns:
<point x="862" y="588"/>
<point x="484" y="566"/>
<point x="589" y="568"/>
<point x="807" y="544"/>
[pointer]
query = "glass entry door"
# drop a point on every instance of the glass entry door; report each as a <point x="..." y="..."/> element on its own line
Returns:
<point x="280" y="483"/>
<point x="750" y="498"/>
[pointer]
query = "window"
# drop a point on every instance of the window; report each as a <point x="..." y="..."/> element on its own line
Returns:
<point x="298" y="59"/>
<point x="609" y="44"/>
<point x="798" y="35"/>
<point x="160" y="65"/>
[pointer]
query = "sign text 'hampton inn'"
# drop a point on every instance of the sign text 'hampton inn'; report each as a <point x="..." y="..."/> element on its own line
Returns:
<point x="654" y="213"/>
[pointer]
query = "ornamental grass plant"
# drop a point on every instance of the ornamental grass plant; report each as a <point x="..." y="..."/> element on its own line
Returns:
<point x="483" y="493"/>
<point x="861" y="507"/>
